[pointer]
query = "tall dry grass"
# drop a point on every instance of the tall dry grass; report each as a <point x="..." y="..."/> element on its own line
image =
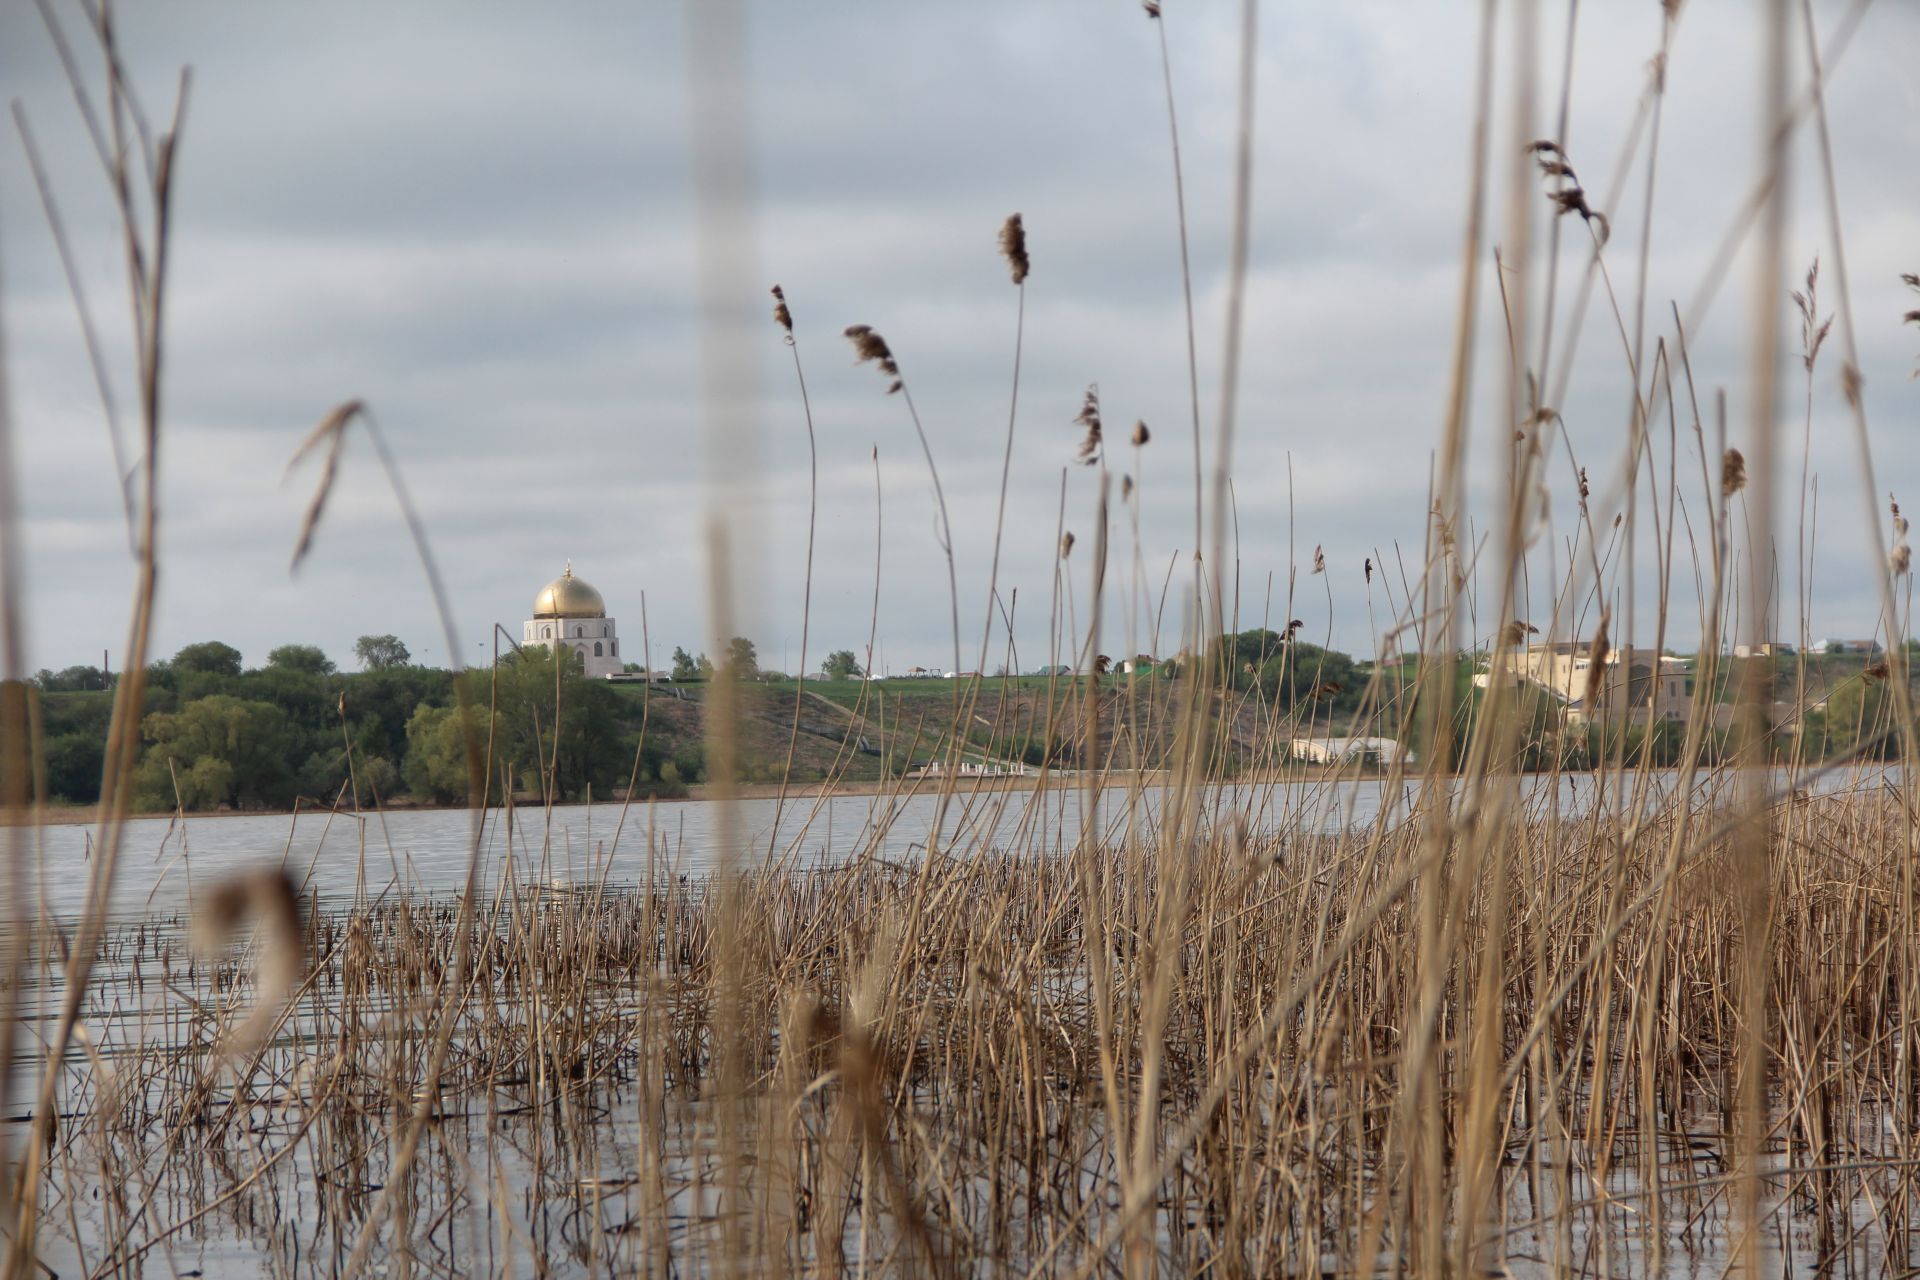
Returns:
<point x="1625" y="1021"/>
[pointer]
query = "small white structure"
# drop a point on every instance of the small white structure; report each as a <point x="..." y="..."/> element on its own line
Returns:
<point x="641" y="677"/>
<point x="1380" y="751"/>
<point x="971" y="769"/>
<point x="570" y="614"/>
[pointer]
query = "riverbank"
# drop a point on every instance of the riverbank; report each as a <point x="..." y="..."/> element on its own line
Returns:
<point x="87" y="815"/>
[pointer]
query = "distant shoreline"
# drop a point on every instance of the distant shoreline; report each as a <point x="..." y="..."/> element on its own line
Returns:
<point x="85" y="815"/>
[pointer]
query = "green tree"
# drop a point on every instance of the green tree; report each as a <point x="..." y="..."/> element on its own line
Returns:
<point x="741" y="662"/>
<point x="301" y="657"/>
<point x="205" y="784"/>
<point x="436" y="764"/>
<point x="1859" y="709"/>
<point x="841" y="664"/>
<point x="684" y="667"/>
<point x="73" y="680"/>
<point x="381" y="653"/>
<point x="73" y="762"/>
<point x="558" y="731"/>
<point x="224" y="750"/>
<point x="210" y="657"/>
<point x="379" y="704"/>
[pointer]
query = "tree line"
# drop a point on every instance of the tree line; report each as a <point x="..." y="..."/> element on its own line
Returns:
<point x="215" y="734"/>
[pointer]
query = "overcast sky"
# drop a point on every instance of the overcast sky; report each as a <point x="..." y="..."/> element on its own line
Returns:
<point x="481" y="219"/>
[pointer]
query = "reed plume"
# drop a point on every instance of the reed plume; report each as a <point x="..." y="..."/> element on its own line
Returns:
<point x="1597" y="653"/>
<point x="1088" y="419"/>
<point x="870" y="346"/>
<point x="1013" y="247"/>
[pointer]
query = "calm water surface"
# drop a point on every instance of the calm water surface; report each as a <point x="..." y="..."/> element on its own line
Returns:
<point x="338" y="855"/>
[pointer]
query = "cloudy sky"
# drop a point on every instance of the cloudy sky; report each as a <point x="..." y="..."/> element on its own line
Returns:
<point x="483" y="219"/>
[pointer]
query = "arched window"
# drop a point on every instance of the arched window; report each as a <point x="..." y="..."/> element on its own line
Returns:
<point x="596" y="650"/>
<point x="616" y="648"/>
<point x="578" y="631"/>
<point x="546" y="633"/>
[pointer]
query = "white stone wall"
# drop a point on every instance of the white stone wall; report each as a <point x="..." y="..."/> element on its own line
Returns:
<point x="581" y="635"/>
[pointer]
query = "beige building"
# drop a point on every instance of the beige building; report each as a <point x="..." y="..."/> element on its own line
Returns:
<point x="1636" y="685"/>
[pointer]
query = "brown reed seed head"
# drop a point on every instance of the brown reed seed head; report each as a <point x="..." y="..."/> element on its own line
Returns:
<point x="1583" y="484"/>
<point x="1850" y="383"/>
<point x="1733" y="473"/>
<point x="1875" y="671"/>
<point x="1597" y="662"/>
<point x="1813" y="332"/>
<point x="1013" y="247"/>
<point x="1140" y="433"/>
<point x="1912" y="281"/>
<point x="269" y="899"/>
<point x="1901" y="561"/>
<point x="781" y="316"/>
<point x="1369" y="568"/>
<point x="1152" y="7"/>
<point x="1066" y="544"/>
<point x="1319" y="559"/>
<point x="868" y="345"/>
<point x="1572" y="197"/>
<point x="1089" y="420"/>
<point x="1517" y="632"/>
<point x="1102" y="664"/>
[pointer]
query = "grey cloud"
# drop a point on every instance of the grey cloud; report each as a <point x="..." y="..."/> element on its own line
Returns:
<point x="479" y="219"/>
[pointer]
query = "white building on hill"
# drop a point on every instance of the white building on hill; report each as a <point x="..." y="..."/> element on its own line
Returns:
<point x="569" y="613"/>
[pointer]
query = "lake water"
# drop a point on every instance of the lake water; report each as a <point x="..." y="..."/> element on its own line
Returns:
<point x="575" y="1171"/>
<point x="337" y="855"/>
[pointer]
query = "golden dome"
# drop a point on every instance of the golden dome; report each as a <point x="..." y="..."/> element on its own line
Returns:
<point x="568" y="597"/>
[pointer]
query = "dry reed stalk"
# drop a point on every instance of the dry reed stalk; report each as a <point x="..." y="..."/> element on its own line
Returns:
<point x="146" y="250"/>
<point x="1754" y="862"/>
<point x="1186" y="276"/>
<point x="784" y="318"/>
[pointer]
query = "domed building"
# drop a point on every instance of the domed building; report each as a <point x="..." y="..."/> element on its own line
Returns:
<point x="569" y="613"/>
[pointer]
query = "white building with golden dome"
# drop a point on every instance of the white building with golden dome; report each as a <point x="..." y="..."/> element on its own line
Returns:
<point x="568" y="613"/>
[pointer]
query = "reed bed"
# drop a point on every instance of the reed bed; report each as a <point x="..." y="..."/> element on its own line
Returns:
<point x="943" y="1063"/>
